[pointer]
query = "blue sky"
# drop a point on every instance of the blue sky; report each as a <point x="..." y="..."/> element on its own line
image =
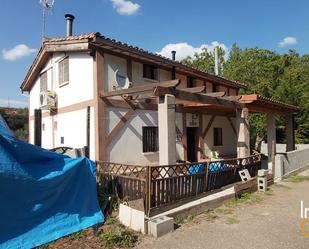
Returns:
<point x="158" y="26"/>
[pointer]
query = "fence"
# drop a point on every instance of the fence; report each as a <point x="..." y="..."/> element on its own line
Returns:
<point x="163" y="185"/>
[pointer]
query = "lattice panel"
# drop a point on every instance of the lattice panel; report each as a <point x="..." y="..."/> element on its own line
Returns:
<point x="117" y="169"/>
<point x="160" y="172"/>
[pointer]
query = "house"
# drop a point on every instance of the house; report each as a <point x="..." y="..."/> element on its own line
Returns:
<point x="128" y="105"/>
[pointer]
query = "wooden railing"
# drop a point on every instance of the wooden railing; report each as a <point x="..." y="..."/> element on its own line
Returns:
<point x="164" y="185"/>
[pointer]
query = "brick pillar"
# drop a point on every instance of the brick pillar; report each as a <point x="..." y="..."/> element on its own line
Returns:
<point x="243" y="133"/>
<point x="167" y="130"/>
<point x="289" y="131"/>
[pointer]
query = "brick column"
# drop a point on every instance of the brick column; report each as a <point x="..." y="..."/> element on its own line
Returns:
<point x="167" y="130"/>
<point x="243" y="133"/>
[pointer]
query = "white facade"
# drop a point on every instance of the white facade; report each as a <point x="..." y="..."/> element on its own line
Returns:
<point x="69" y="126"/>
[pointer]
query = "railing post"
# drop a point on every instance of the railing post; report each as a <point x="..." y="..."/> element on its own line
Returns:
<point x="148" y="189"/>
<point x="206" y="176"/>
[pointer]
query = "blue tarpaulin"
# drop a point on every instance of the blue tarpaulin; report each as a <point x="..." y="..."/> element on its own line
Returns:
<point x="43" y="195"/>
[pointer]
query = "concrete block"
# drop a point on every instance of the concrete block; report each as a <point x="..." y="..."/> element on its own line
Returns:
<point x="262" y="184"/>
<point x="160" y="226"/>
<point x="132" y="218"/>
<point x="262" y="172"/>
<point x="244" y="175"/>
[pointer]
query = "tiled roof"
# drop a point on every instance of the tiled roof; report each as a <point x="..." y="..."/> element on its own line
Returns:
<point x="72" y="38"/>
<point x="91" y="37"/>
<point x="268" y="101"/>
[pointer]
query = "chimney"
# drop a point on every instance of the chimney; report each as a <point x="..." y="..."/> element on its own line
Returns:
<point x="173" y="68"/>
<point x="173" y="55"/>
<point x="69" y="19"/>
<point x="216" y="61"/>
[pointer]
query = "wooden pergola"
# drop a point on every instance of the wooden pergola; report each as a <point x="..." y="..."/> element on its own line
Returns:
<point x="195" y="100"/>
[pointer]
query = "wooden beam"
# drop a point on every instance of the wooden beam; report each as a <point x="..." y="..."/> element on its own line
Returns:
<point x="197" y="89"/>
<point x="139" y="89"/>
<point x="232" y="125"/>
<point x="99" y="107"/>
<point x="119" y="126"/>
<point x="117" y="103"/>
<point x="193" y="97"/>
<point x="66" y="47"/>
<point x="208" y="126"/>
<point x="130" y="104"/>
<point x="215" y="94"/>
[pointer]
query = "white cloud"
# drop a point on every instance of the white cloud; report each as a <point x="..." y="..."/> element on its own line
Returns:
<point x="13" y="103"/>
<point x="183" y="49"/>
<point x="287" y="41"/>
<point x="17" y="52"/>
<point x="125" y="7"/>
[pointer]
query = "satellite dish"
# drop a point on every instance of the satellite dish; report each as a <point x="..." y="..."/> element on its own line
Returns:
<point x="121" y="80"/>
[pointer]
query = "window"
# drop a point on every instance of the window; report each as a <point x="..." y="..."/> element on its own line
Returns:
<point x="190" y="82"/>
<point x="150" y="139"/>
<point x="150" y="72"/>
<point x="63" y="70"/>
<point x="217" y="136"/>
<point x="43" y="82"/>
<point x="215" y="88"/>
<point x="62" y="140"/>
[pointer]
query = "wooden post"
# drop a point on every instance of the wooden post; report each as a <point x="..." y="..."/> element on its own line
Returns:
<point x="148" y="189"/>
<point x="206" y="176"/>
<point x="273" y="157"/>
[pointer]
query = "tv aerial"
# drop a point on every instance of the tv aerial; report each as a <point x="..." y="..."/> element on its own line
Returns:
<point x="47" y="8"/>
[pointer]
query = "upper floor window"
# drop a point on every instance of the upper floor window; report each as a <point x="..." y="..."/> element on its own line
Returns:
<point x="150" y="72"/>
<point x="215" y="88"/>
<point x="43" y="82"/>
<point x="190" y="82"/>
<point x="63" y="71"/>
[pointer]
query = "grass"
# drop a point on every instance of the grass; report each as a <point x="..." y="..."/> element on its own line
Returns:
<point x="76" y="235"/>
<point x="297" y="178"/>
<point x="111" y="220"/>
<point x="244" y="198"/>
<point x="231" y="221"/>
<point x="210" y="215"/>
<point x="119" y="237"/>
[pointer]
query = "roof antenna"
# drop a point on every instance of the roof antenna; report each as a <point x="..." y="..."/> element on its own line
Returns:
<point x="47" y="7"/>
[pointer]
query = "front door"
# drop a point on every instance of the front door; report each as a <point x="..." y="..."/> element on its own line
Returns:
<point x="192" y="144"/>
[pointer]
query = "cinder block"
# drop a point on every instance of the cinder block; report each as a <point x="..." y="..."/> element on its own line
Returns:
<point x="132" y="218"/>
<point x="160" y="226"/>
<point x="262" y="172"/>
<point x="244" y="175"/>
<point x="262" y="184"/>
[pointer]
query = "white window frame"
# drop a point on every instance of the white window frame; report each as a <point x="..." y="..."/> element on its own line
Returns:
<point x="68" y="81"/>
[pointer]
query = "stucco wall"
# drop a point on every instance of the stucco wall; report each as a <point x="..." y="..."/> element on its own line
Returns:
<point x="286" y="163"/>
<point x="126" y="147"/>
<point x="71" y="125"/>
<point x="229" y="143"/>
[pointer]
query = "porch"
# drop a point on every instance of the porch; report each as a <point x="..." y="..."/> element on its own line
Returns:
<point x="167" y="100"/>
<point x="161" y="187"/>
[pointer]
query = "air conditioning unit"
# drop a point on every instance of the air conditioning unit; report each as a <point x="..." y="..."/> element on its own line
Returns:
<point x="48" y="100"/>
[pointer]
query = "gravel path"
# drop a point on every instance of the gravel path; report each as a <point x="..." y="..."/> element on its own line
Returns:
<point x="269" y="221"/>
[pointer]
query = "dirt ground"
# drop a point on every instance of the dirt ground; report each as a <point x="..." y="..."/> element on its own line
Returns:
<point x="270" y="220"/>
